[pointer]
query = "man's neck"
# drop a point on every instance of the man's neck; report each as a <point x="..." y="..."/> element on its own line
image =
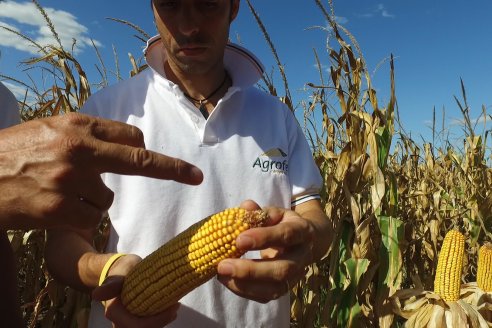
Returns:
<point x="199" y="86"/>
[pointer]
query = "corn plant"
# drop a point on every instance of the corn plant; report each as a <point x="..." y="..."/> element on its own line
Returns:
<point x="390" y="199"/>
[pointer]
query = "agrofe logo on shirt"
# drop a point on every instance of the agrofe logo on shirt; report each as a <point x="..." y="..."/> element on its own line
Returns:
<point x="272" y="161"/>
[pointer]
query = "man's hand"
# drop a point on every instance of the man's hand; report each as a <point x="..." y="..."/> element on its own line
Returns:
<point x="50" y="169"/>
<point x="110" y="292"/>
<point x="286" y="249"/>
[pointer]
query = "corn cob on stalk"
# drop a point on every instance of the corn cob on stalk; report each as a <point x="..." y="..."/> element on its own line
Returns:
<point x="447" y="282"/>
<point x="484" y="271"/>
<point x="186" y="261"/>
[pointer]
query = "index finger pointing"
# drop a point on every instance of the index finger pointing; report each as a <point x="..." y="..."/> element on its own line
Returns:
<point x="128" y="160"/>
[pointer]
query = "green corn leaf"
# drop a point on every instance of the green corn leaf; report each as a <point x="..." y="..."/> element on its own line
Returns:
<point x="383" y="140"/>
<point x="392" y="234"/>
<point x="350" y="310"/>
<point x="390" y="266"/>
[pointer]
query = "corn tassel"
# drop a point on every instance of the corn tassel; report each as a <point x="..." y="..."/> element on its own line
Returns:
<point x="484" y="271"/>
<point x="187" y="261"/>
<point x="447" y="283"/>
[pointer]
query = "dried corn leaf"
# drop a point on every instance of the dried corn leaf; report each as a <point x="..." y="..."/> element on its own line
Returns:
<point x="475" y="319"/>
<point x="456" y="316"/>
<point x="437" y="319"/>
<point x="421" y="318"/>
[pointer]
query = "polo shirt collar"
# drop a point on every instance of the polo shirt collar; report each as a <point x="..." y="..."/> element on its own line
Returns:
<point x="244" y="68"/>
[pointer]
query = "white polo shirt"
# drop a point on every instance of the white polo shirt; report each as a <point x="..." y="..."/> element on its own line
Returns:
<point x="251" y="147"/>
<point x="9" y="108"/>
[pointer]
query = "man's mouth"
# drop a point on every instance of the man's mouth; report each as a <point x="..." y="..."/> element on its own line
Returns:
<point x="192" y="50"/>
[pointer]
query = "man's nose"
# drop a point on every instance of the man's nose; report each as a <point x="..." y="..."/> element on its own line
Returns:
<point x="189" y="22"/>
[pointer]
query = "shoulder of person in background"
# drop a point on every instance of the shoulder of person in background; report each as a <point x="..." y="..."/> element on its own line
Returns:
<point x="9" y="108"/>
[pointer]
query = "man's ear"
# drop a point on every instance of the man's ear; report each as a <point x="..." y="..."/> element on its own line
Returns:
<point x="234" y="9"/>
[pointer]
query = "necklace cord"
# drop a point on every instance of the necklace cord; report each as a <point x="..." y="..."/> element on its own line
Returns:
<point x="205" y="100"/>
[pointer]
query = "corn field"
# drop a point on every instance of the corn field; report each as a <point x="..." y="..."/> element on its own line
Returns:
<point x="391" y="199"/>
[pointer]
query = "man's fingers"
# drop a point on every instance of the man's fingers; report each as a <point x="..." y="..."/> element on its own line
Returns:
<point x="93" y="191"/>
<point x="119" y="148"/>
<point x="284" y="234"/>
<point x="250" y="205"/>
<point x="79" y="213"/>
<point x="265" y="270"/>
<point x="64" y="210"/>
<point x="111" y="131"/>
<point x="110" y="288"/>
<point x="121" y="318"/>
<point x="122" y="159"/>
<point x="259" y="291"/>
<point x="262" y="280"/>
<point x="275" y="214"/>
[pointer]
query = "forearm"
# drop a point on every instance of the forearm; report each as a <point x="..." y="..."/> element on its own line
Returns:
<point x="79" y="265"/>
<point x="323" y="229"/>
<point x="323" y="234"/>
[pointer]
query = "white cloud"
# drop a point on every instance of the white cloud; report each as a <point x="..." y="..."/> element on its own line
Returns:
<point x="24" y="17"/>
<point x="380" y="10"/>
<point x="473" y="121"/>
<point x="323" y="67"/>
<point x="327" y="28"/>
<point x="341" y="20"/>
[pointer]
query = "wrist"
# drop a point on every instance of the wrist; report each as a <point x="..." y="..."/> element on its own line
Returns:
<point x="107" y="266"/>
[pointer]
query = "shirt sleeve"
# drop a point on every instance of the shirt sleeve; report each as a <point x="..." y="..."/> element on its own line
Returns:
<point x="305" y="178"/>
<point x="9" y="108"/>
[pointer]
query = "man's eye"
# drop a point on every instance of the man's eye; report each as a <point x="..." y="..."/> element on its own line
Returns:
<point x="210" y="4"/>
<point x="167" y="4"/>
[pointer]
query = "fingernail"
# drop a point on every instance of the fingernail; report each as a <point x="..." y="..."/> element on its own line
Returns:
<point x="245" y="242"/>
<point x="225" y="268"/>
<point x="196" y="172"/>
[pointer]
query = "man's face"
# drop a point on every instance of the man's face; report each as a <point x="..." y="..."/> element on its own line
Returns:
<point x="194" y="32"/>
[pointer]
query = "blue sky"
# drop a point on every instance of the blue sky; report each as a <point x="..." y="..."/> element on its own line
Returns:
<point x="434" y="42"/>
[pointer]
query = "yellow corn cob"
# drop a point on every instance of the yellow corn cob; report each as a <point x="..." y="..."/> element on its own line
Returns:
<point x="484" y="271"/>
<point x="447" y="282"/>
<point x="186" y="261"/>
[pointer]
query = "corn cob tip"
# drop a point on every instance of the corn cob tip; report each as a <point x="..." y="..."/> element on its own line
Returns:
<point x="256" y="218"/>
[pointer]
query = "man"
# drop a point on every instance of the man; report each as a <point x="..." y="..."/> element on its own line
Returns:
<point x="198" y="101"/>
<point x="9" y="109"/>
<point x="50" y="177"/>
